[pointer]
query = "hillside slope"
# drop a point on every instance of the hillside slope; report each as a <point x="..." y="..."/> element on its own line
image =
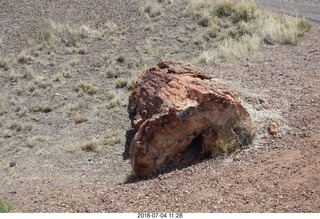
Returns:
<point x="66" y="69"/>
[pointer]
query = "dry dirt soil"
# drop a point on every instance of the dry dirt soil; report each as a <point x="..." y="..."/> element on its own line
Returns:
<point x="63" y="114"/>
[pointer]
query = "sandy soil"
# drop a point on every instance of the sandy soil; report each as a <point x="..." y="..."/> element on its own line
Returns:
<point x="44" y="166"/>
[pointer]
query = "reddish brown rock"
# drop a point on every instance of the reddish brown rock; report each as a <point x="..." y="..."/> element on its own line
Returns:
<point x="273" y="129"/>
<point x="181" y="116"/>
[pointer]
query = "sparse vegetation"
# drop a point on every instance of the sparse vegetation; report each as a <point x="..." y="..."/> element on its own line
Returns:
<point x="235" y="27"/>
<point x="152" y="10"/>
<point x="80" y="118"/>
<point x="245" y="131"/>
<point x="85" y="87"/>
<point x="36" y="140"/>
<point x="24" y="58"/>
<point x="121" y="83"/>
<point x="114" y="100"/>
<point x="68" y="72"/>
<point x="224" y="146"/>
<point x="42" y="107"/>
<point x="19" y="127"/>
<point x="52" y="34"/>
<point x="131" y="83"/>
<point x="110" y="138"/>
<point x="6" y="133"/>
<point x="5" y="63"/>
<point x="5" y="207"/>
<point x="91" y="146"/>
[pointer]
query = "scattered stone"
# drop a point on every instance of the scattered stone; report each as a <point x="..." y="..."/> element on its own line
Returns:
<point x="273" y="129"/>
<point x="12" y="164"/>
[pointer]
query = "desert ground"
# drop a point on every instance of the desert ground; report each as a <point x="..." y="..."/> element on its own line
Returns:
<point x="66" y="71"/>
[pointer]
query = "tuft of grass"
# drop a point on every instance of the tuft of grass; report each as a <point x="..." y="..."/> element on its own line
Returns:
<point x="71" y="149"/>
<point x="110" y="26"/>
<point x="84" y="87"/>
<point x="35" y="141"/>
<point x="91" y="146"/>
<point x="13" y="76"/>
<point x="111" y="138"/>
<point x="82" y="51"/>
<point x="68" y="72"/>
<point x="41" y="82"/>
<point x="20" y="127"/>
<point x="121" y="82"/>
<point x="6" y="134"/>
<point x="72" y="107"/>
<point x="224" y="146"/>
<point x="79" y="118"/>
<point x="245" y="131"/>
<point x="303" y="26"/>
<point x="42" y="107"/>
<point x="24" y="58"/>
<point x="29" y="74"/>
<point x="131" y="83"/>
<point x="114" y="100"/>
<point x="75" y="62"/>
<point x="5" y="207"/>
<point x="152" y="10"/>
<point x="236" y="11"/>
<point x="5" y="63"/>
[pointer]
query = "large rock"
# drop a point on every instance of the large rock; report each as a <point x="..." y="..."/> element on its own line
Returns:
<point x="180" y="116"/>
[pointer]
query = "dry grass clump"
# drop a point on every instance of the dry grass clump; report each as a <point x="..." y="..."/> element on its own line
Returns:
<point x="52" y="34"/>
<point x="79" y="118"/>
<point x="41" y="82"/>
<point x="85" y="87"/>
<point x="24" y="58"/>
<point x="224" y="146"/>
<point x="42" y="107"/>
<point x="91" y="146"/>
<point x="6" y="133"/>
<point x="245" y="131"/>
<point x="110" y="138"/>
<point x="131" y="82"/>
<point x="235" y="27"/>
<point x="152" y="10"/>
<point x="121" y="82"/>
<point x="20" y="127"/>
<point x="36" y="140"/>
<point x="113" y="100"/>
<point x="68" y="72"/>
<point x="5" y="63"/>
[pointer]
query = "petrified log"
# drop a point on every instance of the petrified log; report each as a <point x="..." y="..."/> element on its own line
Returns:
<point x="180" y="116"/>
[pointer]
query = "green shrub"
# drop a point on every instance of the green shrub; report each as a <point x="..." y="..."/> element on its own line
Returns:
<point x="5" y="207"/>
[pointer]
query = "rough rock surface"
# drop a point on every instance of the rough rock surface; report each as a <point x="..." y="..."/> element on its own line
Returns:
<point x="179" y="117"/>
